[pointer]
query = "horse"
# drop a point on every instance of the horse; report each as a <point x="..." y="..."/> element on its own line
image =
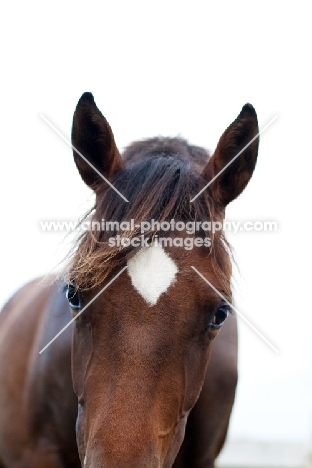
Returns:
<point x="145" y="375"/>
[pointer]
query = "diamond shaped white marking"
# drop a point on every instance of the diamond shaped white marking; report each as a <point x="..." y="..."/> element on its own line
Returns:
<point x="152" y="271"/>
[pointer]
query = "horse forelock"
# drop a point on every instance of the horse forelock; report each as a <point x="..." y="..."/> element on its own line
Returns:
<point x="195" y="155"/>
<point x="160" y="177"/>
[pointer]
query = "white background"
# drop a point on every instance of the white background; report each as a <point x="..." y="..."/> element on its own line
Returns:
<point x="174" y="68"/>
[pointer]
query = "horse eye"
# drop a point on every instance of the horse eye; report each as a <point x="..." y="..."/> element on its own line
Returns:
<point x="219" y="317"/>
<point x="73" y="296"/>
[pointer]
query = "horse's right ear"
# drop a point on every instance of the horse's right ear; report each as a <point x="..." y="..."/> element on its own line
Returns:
<point x="94" y="139"/>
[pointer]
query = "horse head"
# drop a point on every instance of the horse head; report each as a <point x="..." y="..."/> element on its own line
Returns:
<point x="141" y="346"/>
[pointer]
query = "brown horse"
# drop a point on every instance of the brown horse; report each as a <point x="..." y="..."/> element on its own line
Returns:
<point x="128" y="385"/>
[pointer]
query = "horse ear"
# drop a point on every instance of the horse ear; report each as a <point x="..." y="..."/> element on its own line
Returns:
<point x="94" y="139"/>
<point x="233" y="162"/>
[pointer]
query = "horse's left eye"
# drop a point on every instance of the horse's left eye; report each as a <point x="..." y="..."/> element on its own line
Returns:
<point x="73" y="297"/>
<point x="219" y="317"/>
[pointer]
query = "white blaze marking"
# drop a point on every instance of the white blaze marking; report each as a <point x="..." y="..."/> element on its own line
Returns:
<point x="152" y="271"/>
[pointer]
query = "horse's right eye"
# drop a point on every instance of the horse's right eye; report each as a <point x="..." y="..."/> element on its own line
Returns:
<point x="73" y="297"/>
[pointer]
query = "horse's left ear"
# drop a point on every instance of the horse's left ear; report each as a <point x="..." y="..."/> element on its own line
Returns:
<point x="94" y="139"/>
<point x="232" y="179"/>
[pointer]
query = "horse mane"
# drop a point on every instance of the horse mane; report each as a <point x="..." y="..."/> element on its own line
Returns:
<point x="160" y="177"/>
